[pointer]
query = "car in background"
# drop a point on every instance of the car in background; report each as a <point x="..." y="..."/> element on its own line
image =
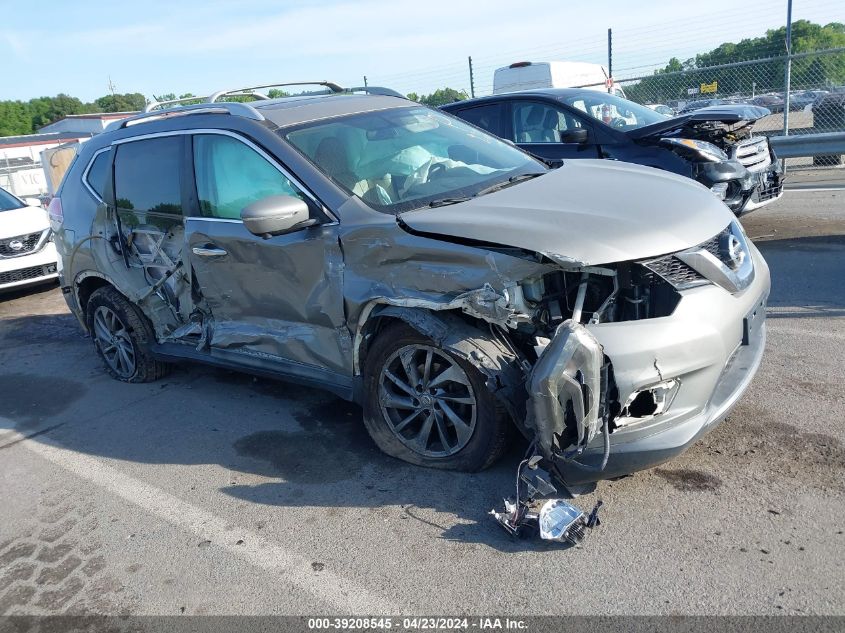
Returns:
<point x="829" y="111"/>
<point x="772" y="102"/>
<point x="27" y="253"/>
<point x="712" y="145"/>
<point x="800" y="100"/>
<point x="691" y="106"/>
<point x="661" y="109"/>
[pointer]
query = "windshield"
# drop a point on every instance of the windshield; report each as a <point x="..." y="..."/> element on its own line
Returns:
<point x="8" y="201"/>
<point x="405" y="158"/>
<point x="615" y="111"/>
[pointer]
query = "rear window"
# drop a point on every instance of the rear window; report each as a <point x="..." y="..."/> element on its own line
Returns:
<point x="148" y="175"/>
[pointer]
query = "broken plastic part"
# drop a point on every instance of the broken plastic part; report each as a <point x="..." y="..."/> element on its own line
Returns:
<point x="567" y="371"/>
<point x="562" y="522"/>
<point x="556" y="520"/>
<point x="647" y="403"/>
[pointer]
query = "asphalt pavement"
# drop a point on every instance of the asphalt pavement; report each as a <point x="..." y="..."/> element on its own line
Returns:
<point x="212" y="492"/>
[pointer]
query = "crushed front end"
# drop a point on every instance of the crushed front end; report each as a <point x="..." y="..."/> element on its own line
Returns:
<point x="644" y="357"/>
<point x="737" y="166"/>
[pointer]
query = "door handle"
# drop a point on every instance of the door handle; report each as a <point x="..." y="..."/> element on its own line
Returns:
<point x="208" y="251"/>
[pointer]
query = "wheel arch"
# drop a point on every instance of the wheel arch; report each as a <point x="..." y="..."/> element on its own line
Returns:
<point x="452" y="331"/>
<point x="85" y="284"/>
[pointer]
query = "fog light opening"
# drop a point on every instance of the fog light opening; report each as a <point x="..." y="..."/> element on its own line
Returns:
<point x="648" y="403"/>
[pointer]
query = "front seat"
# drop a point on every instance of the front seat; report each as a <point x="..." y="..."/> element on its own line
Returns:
<point x="333" y="158"/>
<point x="549" y="133"/>
<point x="532" y="129"/>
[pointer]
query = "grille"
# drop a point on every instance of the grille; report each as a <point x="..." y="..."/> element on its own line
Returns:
<point x="29" y="241"/>
<point x="754" y="154"/>
<point x="25" y="274"/>
<point x="769" y="192"/>
<point x="712" y="246"/>
<point x="675" y="272"/>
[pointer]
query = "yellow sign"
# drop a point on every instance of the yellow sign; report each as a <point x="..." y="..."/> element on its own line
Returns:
<point x="714" y="87"/>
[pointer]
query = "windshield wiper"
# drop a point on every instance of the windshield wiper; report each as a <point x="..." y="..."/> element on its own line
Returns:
<point x="507" y="183"/>
<point x="442" y="202"/>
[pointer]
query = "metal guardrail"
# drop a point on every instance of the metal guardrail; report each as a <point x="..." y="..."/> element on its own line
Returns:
<point x="825" y="144"/>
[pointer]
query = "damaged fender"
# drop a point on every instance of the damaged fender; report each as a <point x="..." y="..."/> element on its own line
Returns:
<point x="500" y="367"/>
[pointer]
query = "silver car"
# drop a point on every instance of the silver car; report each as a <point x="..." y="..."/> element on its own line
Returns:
<point x="454" y="286"/>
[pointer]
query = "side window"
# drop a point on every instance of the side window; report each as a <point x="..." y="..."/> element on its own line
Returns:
<point x="230" y="175"/>
<point x="98" y="173"/>
<point x="148" y="175"/>
<point x="487" y="117"/>
<point x="540" y="122"/>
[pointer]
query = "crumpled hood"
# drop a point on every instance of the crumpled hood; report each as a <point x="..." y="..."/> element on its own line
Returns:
<point x="727" y="114"/>
<point x="587" y="212"/>
<point x="22" y="221"/>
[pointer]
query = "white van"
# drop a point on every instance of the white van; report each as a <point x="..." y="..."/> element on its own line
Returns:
<point x="530" y="75"/>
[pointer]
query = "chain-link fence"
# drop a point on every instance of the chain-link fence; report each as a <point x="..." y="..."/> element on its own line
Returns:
<point x="814" y="103"/>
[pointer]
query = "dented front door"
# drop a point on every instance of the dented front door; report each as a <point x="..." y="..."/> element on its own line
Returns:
<point x="279" y="298"/>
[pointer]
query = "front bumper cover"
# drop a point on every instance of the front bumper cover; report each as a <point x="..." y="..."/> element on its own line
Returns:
<point x="712" y="344"/>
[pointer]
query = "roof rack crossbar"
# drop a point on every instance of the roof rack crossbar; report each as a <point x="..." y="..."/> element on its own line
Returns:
<point x="232" y="108"/>
<point x="247" y="91"/>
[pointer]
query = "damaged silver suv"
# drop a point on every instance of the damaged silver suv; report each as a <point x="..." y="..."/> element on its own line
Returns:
<point x="451" y="284"/>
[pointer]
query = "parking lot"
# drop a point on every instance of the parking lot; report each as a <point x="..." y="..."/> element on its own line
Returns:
<point x="215" y="492"/>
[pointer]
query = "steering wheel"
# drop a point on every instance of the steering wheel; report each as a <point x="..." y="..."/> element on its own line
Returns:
<point x="436" y="171"/>
<point x="618" y="122"/>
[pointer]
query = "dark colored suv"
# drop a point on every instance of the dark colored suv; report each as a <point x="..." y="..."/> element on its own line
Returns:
<point x="449" y="282"/>
<point x="711" y="145"/>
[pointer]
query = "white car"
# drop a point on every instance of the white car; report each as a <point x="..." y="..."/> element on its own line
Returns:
<point x="27" y="253"/>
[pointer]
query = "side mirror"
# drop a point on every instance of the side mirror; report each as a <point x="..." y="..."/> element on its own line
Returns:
<point x="32" y="202"/>
<point x="276" y="215"/>
<point x="577" y="135"/>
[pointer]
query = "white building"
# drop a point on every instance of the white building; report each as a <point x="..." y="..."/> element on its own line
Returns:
<point x="21" y="171"/>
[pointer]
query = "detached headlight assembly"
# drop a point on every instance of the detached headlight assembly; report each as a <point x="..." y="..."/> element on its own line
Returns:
<point x="693" y="148"/>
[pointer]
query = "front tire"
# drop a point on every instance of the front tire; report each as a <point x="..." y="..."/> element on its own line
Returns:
<point x="426" y="406"/>
<point x="122" y="337"/>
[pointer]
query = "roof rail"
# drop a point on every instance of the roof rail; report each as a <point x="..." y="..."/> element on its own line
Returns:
<point x="232" y="108"/>
<point x="248" y="90"/>
<point x="376" y="90"/>
<point x="154" y="104"/>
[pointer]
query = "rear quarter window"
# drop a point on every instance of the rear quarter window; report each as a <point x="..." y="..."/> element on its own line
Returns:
<point x="97" y="174"/>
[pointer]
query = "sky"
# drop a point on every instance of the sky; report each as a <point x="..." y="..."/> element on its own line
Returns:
<point x="155" y="46"/>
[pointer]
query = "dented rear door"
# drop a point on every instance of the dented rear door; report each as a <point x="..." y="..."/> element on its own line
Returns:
<point x="278" y="299"/>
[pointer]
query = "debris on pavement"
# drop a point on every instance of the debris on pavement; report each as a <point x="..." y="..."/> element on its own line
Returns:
<point x="550" y="519"/>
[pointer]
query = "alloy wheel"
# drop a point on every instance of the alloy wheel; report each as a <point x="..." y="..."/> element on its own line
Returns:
<point x="427" y="400"/>
<point x="114" y="342"/>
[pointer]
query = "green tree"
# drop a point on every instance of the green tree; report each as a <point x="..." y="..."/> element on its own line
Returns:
<point x="439" y="97"/>
<point x="807" y="72"/>
<point x="46" y="110"/>
<point x="15" y="118"/>
<point x="129" y="102"/>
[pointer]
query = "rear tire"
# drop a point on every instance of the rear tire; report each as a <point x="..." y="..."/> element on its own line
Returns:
<point x="122" y="337"/>
<point x="441" y="415"/>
